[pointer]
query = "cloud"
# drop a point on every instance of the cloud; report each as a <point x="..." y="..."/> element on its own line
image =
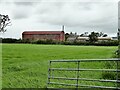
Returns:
<point x="24" y="3"/>
<point x="101" y="16"/>
<point x="22" y="10"/>
<point x="76" y="15"/>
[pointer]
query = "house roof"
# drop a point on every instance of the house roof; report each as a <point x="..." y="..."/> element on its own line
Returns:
<point x="42" y="32"/>
<point x="83" y="38"/>
<point x="99" y="38"/>
<point x="104" y="38"/>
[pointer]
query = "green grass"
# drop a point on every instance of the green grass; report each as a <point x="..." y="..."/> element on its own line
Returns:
<point x="26" y="65"/>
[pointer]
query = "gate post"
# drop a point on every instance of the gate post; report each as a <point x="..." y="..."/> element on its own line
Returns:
<point x="49" y="73"/>
<point x="77" y="75"/>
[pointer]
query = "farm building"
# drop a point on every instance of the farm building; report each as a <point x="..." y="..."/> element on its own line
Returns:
<point x="81" y="39"/>
<point x="104" y="38"/>
<point x="43" y="35"/>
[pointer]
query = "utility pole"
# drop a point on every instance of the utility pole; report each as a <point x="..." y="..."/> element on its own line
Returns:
<point x="118" y="62"/>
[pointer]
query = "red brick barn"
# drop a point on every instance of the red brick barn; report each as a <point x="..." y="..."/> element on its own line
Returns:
<point x="43" y="35"/>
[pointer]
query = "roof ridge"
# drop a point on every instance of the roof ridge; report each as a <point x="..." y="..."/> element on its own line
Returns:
<point x="42" y="32"/>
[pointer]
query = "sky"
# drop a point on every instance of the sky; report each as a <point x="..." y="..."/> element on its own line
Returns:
<point x="49" y="15"/>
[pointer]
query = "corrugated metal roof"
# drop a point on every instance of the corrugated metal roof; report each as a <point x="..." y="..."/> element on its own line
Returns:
<point x="104" y="38"/>
<point x="83" y="38"/>
<point x="42" y="32"/>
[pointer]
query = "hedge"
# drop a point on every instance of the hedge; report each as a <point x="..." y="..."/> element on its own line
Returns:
<point x="102" y="43"/>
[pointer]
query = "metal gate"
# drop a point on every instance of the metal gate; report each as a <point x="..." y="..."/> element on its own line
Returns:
<point x="85" y="73"/>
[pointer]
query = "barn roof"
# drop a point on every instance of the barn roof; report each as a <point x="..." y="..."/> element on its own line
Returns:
<point x="104" y="38"/>
<point x="42" y="32"/>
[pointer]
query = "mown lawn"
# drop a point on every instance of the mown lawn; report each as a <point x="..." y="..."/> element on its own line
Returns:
<point x="26" y="65"/>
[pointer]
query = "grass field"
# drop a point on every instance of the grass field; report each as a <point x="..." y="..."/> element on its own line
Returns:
<point x="26" y="65"/>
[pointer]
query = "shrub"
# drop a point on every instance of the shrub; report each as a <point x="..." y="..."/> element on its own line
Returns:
<point x="9" y="40"/>
<point x="108" y="75"/>
<point x="107" y="43"/>
<point x="46" y="42"/>
<point x="112" y="65"/>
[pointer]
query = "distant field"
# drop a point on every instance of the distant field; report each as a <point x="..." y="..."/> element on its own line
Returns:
<point x="26" y="65"/>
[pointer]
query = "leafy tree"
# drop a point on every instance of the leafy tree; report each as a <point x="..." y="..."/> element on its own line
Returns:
<point x="85" y="34"/>
<point x="93" y="37"/>
<point x="66" y="36"/>
<point x="105" y="35"/>
<point x="81" y="35"/>
<point x="71" y="33"/>
<point x="4" y="22"/>
<point x="101" y="34"/>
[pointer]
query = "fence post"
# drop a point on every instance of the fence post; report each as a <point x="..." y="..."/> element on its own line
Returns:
<point x="77" y="75"/>
<point x="49" y="73"/>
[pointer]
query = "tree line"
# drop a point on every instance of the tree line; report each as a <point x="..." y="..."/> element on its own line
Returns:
<point x="27" y="41"/>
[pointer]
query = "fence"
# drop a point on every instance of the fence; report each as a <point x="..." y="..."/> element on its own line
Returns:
<point x="91" y="73"/>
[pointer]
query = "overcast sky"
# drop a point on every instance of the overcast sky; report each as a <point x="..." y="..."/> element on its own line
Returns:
<point x="49" y="15"/>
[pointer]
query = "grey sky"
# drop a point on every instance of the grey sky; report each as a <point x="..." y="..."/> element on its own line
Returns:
<point x="77" y="16"/>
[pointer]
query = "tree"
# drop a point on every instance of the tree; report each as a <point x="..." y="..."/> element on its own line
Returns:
<point x="4" y="22"/>
<point x="81" y="35"/>
<point x="93" y="37"/>
<point x="85" y="34"/>
<point x="66" y="36"/>
<point x="101" y="34"/>
<point x="105" y="35"/>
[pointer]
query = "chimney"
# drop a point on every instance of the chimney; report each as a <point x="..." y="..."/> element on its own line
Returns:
<point x="63" y="28"/>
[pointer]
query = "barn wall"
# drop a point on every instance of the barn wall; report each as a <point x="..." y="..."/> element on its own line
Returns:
<point x="62" y="36"/>
<point x="57" y="37"/>
<point x="27" y="37"/>
<point x="46" y="37"/>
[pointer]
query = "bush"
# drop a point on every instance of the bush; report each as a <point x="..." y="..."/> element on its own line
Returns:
<point x="111" y="75"/>
<point x="9" y="40"/>
<point x="108" y="75"/>
<point x="107" y="43"/>
<point x="46" y="42"/>
<point x="102" y="43"/>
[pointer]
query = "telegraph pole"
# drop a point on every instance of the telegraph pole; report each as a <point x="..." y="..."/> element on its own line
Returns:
<point x="118" y="62"/>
